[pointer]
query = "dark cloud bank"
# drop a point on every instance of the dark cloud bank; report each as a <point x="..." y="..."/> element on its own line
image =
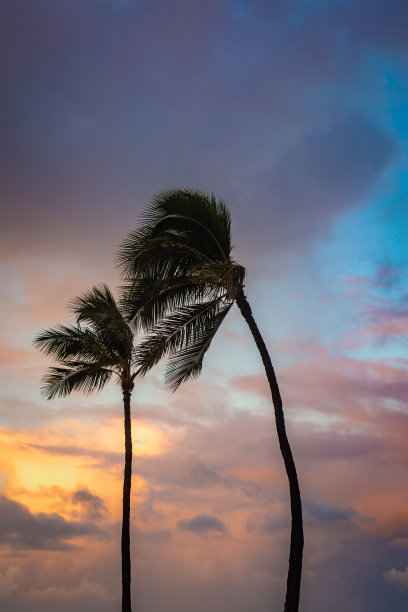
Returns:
<point x="22" y="530"/>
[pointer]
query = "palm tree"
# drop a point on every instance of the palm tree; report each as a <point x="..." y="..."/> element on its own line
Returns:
<point x="89" y="355"/>
<point x="180" y="282"/>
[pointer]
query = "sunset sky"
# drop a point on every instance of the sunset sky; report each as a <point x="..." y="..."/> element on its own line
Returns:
<point x="295" y="112"/>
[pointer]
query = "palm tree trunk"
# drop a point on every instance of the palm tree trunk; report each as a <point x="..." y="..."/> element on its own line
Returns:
<point x="127" y="481"/>
<point x="296" y="539"/>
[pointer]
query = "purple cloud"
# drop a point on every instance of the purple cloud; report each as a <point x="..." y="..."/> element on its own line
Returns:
<point x="202" y="524"/>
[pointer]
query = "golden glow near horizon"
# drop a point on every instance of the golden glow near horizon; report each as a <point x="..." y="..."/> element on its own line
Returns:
<point x="40" y="465"/>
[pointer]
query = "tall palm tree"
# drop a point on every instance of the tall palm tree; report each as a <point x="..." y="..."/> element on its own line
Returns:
<point x="99" y="346"/>
<point x="180" y="283"/>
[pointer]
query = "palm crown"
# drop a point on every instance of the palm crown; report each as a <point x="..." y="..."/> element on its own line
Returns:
<point x="99" y="346"/>
<point x="181" y="280"/>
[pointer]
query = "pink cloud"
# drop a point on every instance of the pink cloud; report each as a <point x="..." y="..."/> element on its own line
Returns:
<point x="328" y="382"/>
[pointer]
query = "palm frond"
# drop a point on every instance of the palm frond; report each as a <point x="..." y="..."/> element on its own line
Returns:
<point x="88" y="355"/>
<point x="194" y="211"/>
<point x="95" y="305"/>
<point x="185" y="221"/>
<point x="64" y="341"/>
<point x="60" y="382"/>
<point x="147" y="300"/>
<point x="187" y="326"/>
<point x="163" y="255"/>
<point x="98" y="309"/>
<point x="187" y="362"/>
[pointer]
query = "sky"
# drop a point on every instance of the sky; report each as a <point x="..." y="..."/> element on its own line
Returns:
<point x="296" y="114"/>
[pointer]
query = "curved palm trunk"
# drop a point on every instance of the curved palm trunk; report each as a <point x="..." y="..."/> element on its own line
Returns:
<point x="296" y="539"/>
<point x="127" y="387"/>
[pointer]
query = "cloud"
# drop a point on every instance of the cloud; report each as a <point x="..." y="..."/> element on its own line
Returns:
<point x="103" y="458"/>
<point x="331" y="445"/>
<point x="397" y="577"/>
<point x="342" y="381"/>
<point x="76" y="143"/>
<point x="77" y="503"/>
<point x="324" y="511"/>
<point x="202" y="524"/>
<point x="387" y="276"/>
<point x="93" y="505"/>
<point x="20" y="413"/>
<point x="199" y="475"/>
<point x="383" y="323"/>
<point x="87" y="594"/>
<point x="325" y="172"/>
<point x="20" y="529"/>
<point x="400" y="542"/>
<point x="269" y="524"/>
<point x="318" y="513"/>
<point x="10" y="581"/>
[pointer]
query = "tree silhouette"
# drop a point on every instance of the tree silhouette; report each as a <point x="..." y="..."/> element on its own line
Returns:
<point x="180" y="283"/>
<point x="100" y="346"/>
